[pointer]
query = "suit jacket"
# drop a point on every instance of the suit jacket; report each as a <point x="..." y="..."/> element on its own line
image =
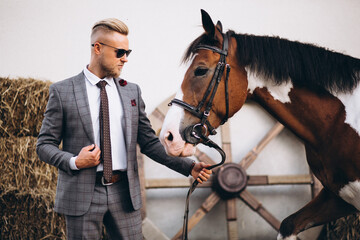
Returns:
<point x="67" y="119"/>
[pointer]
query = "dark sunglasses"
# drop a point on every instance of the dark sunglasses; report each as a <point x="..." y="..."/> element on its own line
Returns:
<point x="119" y="52"/>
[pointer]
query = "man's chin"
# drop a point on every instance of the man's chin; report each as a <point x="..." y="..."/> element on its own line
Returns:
<point x="115" y="75"/>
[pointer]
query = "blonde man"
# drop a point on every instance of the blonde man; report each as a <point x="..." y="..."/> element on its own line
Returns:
<point x="100" y="118"/>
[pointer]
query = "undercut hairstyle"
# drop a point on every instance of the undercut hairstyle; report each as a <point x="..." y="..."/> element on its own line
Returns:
<point x="110" y="24"/>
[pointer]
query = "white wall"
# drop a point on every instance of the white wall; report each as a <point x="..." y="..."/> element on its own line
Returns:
<point x="49" y="39"/>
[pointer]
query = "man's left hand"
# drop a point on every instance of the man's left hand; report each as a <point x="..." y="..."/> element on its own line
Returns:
<point x="200" y="173"/>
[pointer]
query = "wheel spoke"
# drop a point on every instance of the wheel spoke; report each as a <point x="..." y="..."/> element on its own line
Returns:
<point x="202" y="157"/>
<point x="173" y="183"/>
<point x="231" y="218"/>
<point x="208" y="204"/>
<point x="256" y="206"/>
<point x="252" y="155"/>
<point x="226" y="141"/>
<point x="255" y="180"/>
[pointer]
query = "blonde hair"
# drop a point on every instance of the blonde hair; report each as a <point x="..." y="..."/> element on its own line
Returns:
<point x="110" y="24"/>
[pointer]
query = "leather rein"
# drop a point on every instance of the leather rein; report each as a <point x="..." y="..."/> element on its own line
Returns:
<point x="197" y="132"/>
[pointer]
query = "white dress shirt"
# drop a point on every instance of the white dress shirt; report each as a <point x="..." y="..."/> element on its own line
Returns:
<point x="116" y="115"/>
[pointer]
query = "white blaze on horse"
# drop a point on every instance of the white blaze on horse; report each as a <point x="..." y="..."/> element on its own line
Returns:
<point x="314" y="92"/>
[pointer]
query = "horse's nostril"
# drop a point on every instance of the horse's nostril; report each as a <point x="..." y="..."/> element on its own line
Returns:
<point x="170" y="137"/>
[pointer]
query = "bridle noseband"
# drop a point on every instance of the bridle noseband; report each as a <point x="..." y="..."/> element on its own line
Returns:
<point x="193" y="134"/>
<point x="197" y="132"/>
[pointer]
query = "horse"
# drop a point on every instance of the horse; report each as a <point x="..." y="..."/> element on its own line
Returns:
<point x="311" y="90"/>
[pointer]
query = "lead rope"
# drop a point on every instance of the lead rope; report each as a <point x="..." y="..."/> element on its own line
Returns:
<point x="211" y="144"/>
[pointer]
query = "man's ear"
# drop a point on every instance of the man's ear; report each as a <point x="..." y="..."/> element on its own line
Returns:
<point x="96" y="46"/>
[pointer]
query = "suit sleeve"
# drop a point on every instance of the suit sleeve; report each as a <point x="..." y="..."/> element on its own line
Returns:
<point x="50" y="136"/>
<point x="150" y="144"/>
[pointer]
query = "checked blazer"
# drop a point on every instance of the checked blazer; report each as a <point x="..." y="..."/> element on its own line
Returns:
<point x="67" y="119"/>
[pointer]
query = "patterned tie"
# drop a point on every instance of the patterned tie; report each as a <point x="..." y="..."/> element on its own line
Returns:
<point x="105" y="143"/>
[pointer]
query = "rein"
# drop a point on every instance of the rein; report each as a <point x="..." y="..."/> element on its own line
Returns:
<point x="211" y="144"/>
<point x="197" y="132"/>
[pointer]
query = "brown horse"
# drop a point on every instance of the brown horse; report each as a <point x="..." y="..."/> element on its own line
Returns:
<point x="314" y="92"/>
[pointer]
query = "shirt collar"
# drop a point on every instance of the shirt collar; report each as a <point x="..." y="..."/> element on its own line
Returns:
<point x="93" y="79"/>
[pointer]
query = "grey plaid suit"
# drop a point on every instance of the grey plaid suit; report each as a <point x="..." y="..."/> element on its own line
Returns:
<point x="67" y="119"/>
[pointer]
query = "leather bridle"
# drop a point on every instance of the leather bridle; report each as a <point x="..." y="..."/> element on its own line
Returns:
<point x="198" y="132"/>
<point x="192" y="134"/>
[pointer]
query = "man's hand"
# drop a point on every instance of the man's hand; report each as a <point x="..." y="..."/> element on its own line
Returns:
<point x="200" y="173"/>
<point x="89" y="156"/>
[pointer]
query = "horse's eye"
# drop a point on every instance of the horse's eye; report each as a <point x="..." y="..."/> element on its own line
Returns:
<point x="200" y="71"/>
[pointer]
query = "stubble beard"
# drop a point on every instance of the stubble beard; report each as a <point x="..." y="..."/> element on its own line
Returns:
<point x="108" y="71"/>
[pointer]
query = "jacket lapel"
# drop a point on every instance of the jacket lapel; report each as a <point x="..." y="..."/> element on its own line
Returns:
<point x="125" y="101"/>
<point x="82" y="103"/>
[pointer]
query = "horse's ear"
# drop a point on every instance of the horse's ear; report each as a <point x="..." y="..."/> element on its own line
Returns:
<point x="219" y="26"/>
<point x="208" y="24"/>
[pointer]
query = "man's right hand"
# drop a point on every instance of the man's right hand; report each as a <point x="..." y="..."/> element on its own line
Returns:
<point x="88" y="157"/>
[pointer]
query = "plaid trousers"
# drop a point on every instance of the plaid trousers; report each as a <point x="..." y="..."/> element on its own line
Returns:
<point x="111" y="206"/>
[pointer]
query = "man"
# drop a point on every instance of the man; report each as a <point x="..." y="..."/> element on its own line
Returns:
<point x="100" y="118"/>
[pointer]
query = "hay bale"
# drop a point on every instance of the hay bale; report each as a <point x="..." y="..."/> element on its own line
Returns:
<point x="24" y="216"/>
<point x="22" y="105"/>
<point x="28" y="185"/>
<point x="27" y="192"/>
<point x="22" y="171"/>
<point x="342" y="229"/>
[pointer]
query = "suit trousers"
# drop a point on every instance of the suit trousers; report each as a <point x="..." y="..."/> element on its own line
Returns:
<point x="111" y="206"/>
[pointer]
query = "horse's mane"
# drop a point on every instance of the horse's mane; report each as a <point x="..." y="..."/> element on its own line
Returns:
<point x="281" y="60"/>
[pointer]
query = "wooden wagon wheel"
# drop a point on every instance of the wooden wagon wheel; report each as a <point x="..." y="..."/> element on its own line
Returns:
<point x="230" y="181"/>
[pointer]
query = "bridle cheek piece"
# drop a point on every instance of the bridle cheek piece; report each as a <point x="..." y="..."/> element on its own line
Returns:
<point x="195" y="133"/>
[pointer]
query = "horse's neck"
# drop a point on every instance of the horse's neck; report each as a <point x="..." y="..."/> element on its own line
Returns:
<point x="278" y="92"/>
<point x="310" y="115"/>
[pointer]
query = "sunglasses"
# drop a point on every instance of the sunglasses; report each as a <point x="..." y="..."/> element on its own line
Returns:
<point x="119" y="52"/>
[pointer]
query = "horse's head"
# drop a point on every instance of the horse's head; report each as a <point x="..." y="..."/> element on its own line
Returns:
<point x="210" y="92"/>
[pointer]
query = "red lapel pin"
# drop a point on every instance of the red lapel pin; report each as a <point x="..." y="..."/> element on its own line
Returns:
<point x="122" y="82"/>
